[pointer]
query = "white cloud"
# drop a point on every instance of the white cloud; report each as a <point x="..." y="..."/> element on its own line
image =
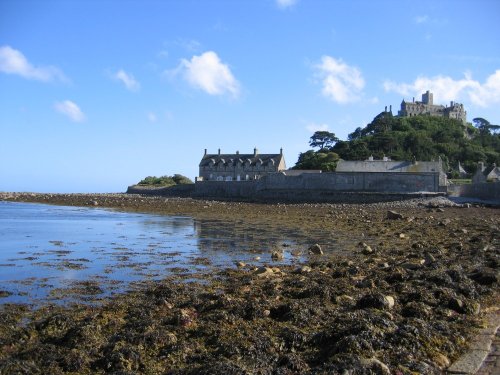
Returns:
<point x="208" y="73"/>
<point x="152" y="117"/>
<point x="341" y="83"/>
<point x="447" y="89"/>
<point x="127" y="79"/>
<point x="313" y="127"/>
<point x="286" y="3"/>
<point x="13" y="61"/>
<point x="70" y="109"/>
<point x="421" y="19"/>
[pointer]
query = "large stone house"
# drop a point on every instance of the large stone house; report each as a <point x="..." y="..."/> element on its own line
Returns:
<point x="239" y="167"/>
<point x="427" y="107"/>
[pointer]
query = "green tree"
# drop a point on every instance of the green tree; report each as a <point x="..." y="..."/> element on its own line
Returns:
<point x="322" y="139"/>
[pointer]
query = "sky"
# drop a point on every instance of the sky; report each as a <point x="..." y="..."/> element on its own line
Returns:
<point x="95" y="95"/>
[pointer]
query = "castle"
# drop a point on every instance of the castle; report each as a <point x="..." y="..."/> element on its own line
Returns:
<point x="427" y="107"/>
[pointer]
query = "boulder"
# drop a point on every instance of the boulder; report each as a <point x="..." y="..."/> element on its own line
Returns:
<point x="277" y="255"/>
<point x="376" y="301"/>
<point x="393" y="215"/>
<point x="263" y="272"/>
<point x="315" y="249"/>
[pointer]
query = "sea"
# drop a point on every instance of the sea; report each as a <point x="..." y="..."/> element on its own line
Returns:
<point x="63" y="254"/>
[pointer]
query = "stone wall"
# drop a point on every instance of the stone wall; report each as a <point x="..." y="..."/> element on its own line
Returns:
<point x="170" y="191"/>
<point x="488" y="191"/>
<point x="339" y="186"/>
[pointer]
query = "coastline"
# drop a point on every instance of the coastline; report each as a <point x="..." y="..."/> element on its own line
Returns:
<point x="409" y="299"/>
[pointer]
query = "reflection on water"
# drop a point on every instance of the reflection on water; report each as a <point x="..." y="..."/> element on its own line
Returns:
<point x="44" y="249"/>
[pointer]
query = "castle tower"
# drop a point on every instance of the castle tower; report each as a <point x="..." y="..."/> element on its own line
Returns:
<point x="428" y="98"/>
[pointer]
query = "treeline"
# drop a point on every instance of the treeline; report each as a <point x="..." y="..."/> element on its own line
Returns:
<point x="422" y="138"/>
<point x="176" y="179"/>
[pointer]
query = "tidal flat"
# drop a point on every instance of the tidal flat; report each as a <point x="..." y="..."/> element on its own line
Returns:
<point x="400" y="288"/>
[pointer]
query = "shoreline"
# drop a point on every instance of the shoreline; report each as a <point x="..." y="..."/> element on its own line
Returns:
<point x="409" y="299"/>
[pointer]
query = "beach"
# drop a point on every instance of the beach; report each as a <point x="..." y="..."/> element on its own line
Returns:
<point x="407" y="296"/>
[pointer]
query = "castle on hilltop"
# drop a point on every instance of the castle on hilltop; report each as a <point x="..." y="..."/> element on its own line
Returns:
<point x="427" y="107"/>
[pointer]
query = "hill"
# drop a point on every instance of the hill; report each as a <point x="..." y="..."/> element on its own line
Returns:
<point x="422" y="138"/>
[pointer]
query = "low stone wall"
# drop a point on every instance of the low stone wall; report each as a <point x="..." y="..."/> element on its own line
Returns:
<point x="181" y="191"/>
<point x="375" y="182"/>
<point x="324" y="187"/>
<point x="487" y="191"/>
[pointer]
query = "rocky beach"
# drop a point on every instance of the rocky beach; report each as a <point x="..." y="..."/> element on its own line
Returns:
<point x="406" y="299"/>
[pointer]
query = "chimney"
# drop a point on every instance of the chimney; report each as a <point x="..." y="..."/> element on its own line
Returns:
<point x="390" y="108"/>
<point x="281" y="151"/>
<point x="205" y="152"/>
<point x="413" y="99"/>
<point x="237" y="152"/>
<point x="385" y="110"/>
<point x="255" y="151"/>
<point x="219" y="151"/>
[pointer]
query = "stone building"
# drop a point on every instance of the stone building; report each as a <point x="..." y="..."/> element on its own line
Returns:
<point x="239" y="167"/>
<point x="427" y="107"/>
<point x="484" y="174"/>
<point x="386" y="165"/>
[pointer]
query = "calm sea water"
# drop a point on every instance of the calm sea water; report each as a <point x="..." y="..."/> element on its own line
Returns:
<point x="45" y="249"/>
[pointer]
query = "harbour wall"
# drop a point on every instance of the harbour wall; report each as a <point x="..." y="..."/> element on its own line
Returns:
<point x="487" y="191"/>
<point x="324" y="187"/>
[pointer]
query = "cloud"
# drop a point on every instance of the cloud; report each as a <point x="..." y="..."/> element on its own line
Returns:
<point x="127" y="79"/>
<point x="421" y="19"/>
<point x="152" y="117"/>
<point x="447" y="89"/>
<point x="208" y="73"/>
<point x="13" y="61"/>
<point x="70" y="109"/>
<point x="313" y="127"/>
<point x="286" y="3"/>
<point x="341" y="83"/>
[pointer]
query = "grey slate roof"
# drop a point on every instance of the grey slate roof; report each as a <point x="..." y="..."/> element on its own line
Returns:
<point x="234" y="159"/>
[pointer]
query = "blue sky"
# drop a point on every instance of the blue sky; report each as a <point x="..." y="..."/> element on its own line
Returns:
<point x="95" y="95"/>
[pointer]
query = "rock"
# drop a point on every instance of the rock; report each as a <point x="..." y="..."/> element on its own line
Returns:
<point x="441" y="361"/>
<point x="402" y="235"/>
<point x="343" y="299"/>
<point x="256" y="258"/>
<point x="240" y="264"/>
<point x="263" y="272"/>
<point x="416" y="310"/>
<point x="390" y="301"/>
<point x="376" y="301"/>
<point x="277" y="255"/>
<point x="456" y="304"/>
<point x="484" y="276"/>
<point x="393" y="215"/>
<point x="367" y="249"/>
<point x="445" y="222"/>
<point x="315" y="249"/>
<point x="440" y="210"/>
<point x="414" y="264"/>
<point x="304" y="269"/>
<point x="375" y="365"/>
<point x="429" y="259"/>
